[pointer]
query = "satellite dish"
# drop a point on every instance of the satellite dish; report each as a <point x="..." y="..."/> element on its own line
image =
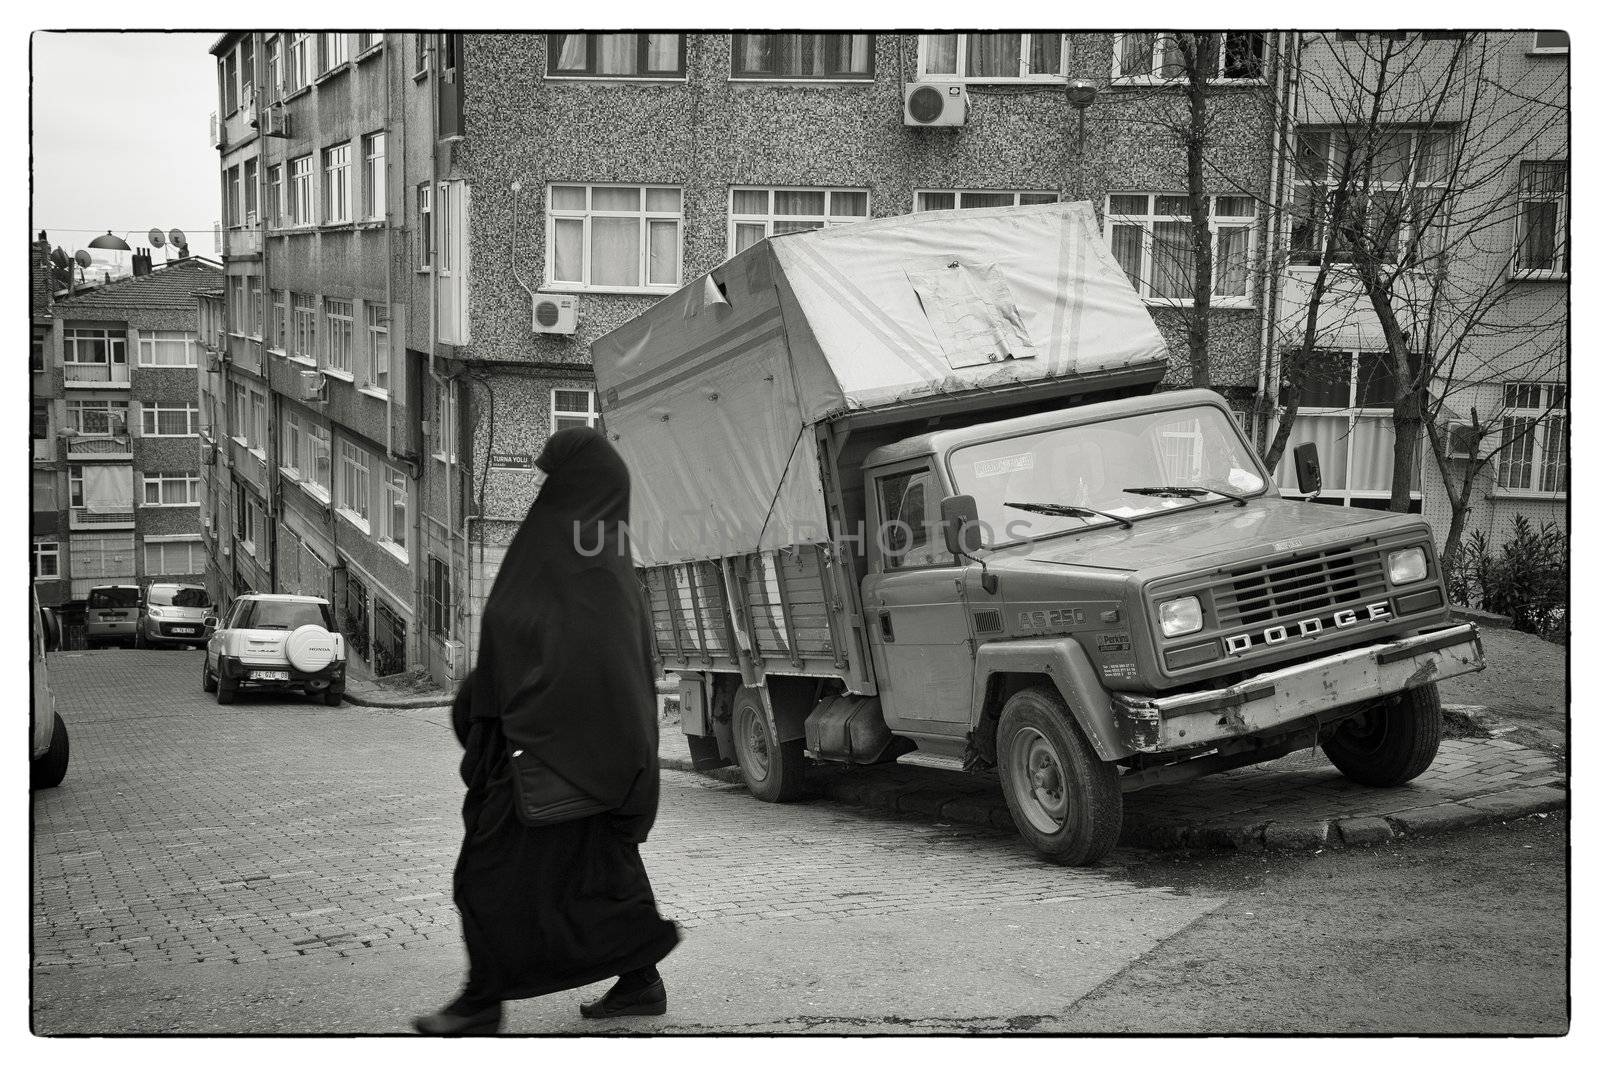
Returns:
<point x="60" y="259"/>
<point x="82" y="258"/>
<point x="177" y="238"/>
<point x="157" y="238"/>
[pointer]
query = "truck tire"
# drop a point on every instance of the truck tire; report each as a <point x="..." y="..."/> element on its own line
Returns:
<point x="49" y="769"/>
<point x="1066" y="801"/>
<point x="1392" y="741"/>
<point x="772" y="771"/>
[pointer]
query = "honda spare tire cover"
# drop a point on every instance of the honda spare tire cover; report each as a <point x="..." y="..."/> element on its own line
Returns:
<point x="311" y="648"/>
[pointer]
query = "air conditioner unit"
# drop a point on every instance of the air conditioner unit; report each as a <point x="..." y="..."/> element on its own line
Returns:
<point x="247" y="107"/>
<point x="274" y="121"/>
<point x="310" y="386"/>
<point x="555" y="313"/>
<point x="217" y="131"/>
<point x="1458" y="438"/>
<point x="935" y="104"/>
<point x="455" y="661"/>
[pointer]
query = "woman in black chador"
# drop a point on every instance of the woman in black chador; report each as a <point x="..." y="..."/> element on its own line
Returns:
<point x="563" y="677"/>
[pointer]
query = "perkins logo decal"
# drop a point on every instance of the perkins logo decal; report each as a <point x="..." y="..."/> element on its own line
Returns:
<point x="1238" y="644"/>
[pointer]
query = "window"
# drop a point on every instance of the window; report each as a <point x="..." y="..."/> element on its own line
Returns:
<point x="39" y="419"/>
<point x="906" y="532"/>
<point x="444" y="436"/>
<point x="249" y="520"/>
<point x="1542" y="220"/>
<point x="238" y="412"/>
<point x="437" y="593"/>
<point x="166" y="348"/>
<point x="253" y="307"/>
<point x="300" y="193"/>
<point x="377" y="349"/>
<point x="258" y="421"/>
<point x="614" y="236"/>
<point x="758" y="213"/>
<point x="238" y="314"/>
<point x="1395" y="182"/>
<point x="294" y="443"/>
<point x="990" y="57"/>
<point x="279" y="338"/>
<point x="75" y="485"/>
<point x="274" y="86"/>
<point x="354" y="624"/>
<point x="1550" y="42"/>
<point x="425" y="227"/>
<point x="452" y="325"/>
<point x="374" y="204"/>
<point x="803" y="56"/>
<point x="367" y="40"/>
<point x="169" y="420"/>
<point x="615" y="55"/>
<point x="85" y="345"/>
<point x="947" y="199"/>
<point x="305" y="328"/>
<point x="230" y="82"/>
<point x="420" y="58"/>
<point x="174" y="557"/>
<point x="230" y="197"/>
<point x="298" y="74"/>
<point x="36" y="348"/>
<point x="1238" y="55"/>
<point x="1150" y="236"/>
<point x="247" y="70"/>
<point x="1534" y="460"/>
<point x="317" y="462"/>
<point x="171" y="490"/>
<point x="355" y="483"/>
<point x="332" y="50"/>
<point x="340" y="334"/>
<point x="388" y="639"/>
<point x="47" y="559"/>
<point x="97" y="418"/>
<point x="252" y="193"/>
<point x="392" y="518"/>
<point x="274" y="205"/>
<point x="1347" y="408"/>
<point x="336" y="184"/>
<point x="572" y="407"/>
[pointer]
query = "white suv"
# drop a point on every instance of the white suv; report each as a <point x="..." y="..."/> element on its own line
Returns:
<point x="275" y="641"/>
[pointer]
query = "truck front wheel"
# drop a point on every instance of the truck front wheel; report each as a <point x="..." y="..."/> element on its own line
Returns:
<point x="1392" y="741"/>
<point x="1066" y="802"/>
<point x="774" y="771"/>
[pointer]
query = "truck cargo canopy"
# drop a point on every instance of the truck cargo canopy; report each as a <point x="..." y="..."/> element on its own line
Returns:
<point x="709" y="393"/>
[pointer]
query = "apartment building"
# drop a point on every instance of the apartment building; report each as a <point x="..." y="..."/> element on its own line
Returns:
<point x="115" y="447"/>
<point x="1471" y="183"/>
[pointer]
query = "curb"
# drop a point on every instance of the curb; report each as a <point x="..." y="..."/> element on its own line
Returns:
<point x="1142" y="831"/>
<point x="436" y="700"/>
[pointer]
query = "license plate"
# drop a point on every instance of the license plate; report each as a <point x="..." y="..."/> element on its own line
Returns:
<point x="270" y="676"/>
<point x="183" y="629"/>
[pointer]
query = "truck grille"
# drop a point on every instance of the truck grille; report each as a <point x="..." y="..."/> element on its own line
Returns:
<point x="1307" y="583"/>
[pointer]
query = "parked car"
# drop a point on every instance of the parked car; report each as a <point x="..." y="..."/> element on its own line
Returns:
<point x="275" y="641"/>
<point x="48" y="750"/>
<point x="112" y="616"/>
<point x="174" y="615"/>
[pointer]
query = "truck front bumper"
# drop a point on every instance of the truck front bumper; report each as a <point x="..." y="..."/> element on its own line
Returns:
<point x="1272" y="699"/>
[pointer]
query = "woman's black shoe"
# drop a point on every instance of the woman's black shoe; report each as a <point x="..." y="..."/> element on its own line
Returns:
<point x="651" y="1000"/>
<point x="443" y="1024"/>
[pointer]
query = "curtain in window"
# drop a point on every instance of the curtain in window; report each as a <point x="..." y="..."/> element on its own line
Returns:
<point x="939" y="56"/>
<point x="1229" y="271"/>
<point x="746" y="234"/>
<point x="616" y="53"/>
<point x="848" y="205"/>
<point x="1044" y="53"/>
<point x="1172" y="261"/>
<point x="1516" y="461"/>
<point x="755" y="53"/>
<point x="1553" y="479"/>
<point x="971" y="200"/>
<point x="614" y="251"/>
<point x="936" y="201"/>
<point x="661" y="52"/>
<point x="569" y="250"/>
<point x="1127" y="244"/>
<point x="1371" y="454"/>
<point x="798" y="202"/>
<point x="855" y="53"/>
<point x="994" y="55"/>
<point x="107" y="489"/>
<point x="1330" y="433"/>
<point x="1138" y="54"/>
<point x="574" y="51"/>
<point x="663" y="266"/>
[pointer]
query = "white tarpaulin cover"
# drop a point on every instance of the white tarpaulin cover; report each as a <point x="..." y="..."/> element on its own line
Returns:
<point x="708" y="394"/>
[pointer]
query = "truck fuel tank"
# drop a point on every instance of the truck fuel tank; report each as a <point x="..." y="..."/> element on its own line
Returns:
<point x="849" y="728"/>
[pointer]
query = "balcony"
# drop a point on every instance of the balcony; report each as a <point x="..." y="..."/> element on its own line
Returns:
<point x="97" y="446"/>
<point x="95" y="375"/>
<point x="84" y="519"/>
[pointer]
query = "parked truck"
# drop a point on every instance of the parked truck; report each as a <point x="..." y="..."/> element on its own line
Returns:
<point x="907" y="486"/>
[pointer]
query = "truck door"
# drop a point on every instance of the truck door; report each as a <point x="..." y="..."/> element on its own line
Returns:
<point x="916" y="612"/>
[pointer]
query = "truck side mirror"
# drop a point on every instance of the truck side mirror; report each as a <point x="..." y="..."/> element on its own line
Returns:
<point x="1308" y="469"/>
<point x="959" y="516"/>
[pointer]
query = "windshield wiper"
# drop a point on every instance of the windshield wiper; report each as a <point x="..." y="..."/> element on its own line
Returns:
<point x="1073" y="511"/>
<point x="1184" y="490"/>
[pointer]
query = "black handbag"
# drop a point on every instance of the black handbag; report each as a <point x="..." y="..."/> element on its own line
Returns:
<point x="544" y="798"/>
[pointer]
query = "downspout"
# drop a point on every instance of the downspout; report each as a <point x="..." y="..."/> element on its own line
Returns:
<point x="273" y="481"/>
<point x="1275" y="190"/>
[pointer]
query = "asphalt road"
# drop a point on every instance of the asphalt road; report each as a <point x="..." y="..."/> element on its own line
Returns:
<point x="277" y="867"/>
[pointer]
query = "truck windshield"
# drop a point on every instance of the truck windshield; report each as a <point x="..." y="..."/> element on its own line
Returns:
<point x="1066" y="470"/>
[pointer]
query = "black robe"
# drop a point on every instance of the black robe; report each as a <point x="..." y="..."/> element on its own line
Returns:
<point x="564" y="670"/>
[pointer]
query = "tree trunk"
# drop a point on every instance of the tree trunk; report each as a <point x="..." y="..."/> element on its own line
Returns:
<point x="1198" y="56"/>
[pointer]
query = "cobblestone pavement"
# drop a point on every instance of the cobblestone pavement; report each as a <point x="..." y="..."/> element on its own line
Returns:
<point x="273" y="829"/>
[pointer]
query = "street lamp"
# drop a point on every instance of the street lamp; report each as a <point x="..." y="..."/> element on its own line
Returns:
<point x="1080" y="94"/>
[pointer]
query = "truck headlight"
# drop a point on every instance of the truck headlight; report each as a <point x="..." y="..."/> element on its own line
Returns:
<point x="1180" y="616"/>
<point x="1407" y="565"/>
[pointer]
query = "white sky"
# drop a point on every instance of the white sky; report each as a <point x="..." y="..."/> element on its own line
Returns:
<point x="120" y="137"/>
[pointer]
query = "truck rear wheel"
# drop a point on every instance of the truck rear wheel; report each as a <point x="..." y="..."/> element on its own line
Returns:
<point x="1066" y="801"/>
<point x="774" y="771"/>
<point x="49" y="769"/>
<point x="1392" y="741"/>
